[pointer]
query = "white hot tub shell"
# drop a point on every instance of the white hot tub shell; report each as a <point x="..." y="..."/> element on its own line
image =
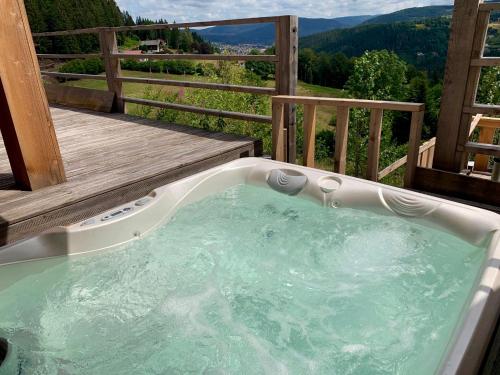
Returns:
<point x="135" y="219"/>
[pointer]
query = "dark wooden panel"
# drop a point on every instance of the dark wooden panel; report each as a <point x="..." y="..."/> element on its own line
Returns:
<point x="77" y="97"/>
<point x="457" y="185"/>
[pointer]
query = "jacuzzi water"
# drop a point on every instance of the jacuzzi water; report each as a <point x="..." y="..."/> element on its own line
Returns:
<point x="248" y="281"/>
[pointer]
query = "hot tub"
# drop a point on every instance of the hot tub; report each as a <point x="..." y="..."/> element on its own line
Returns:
<point x="257" y="266"/>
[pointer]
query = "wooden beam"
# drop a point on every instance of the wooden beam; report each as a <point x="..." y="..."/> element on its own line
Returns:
<point x="417" y="119"/>
<point x="309" y="134"/>
<point x="341" y="136"/>
<point x="79" y="97"/>
<point x="490" y="7"/>
<point x="483" y="149"/>
<point x="201" y="85"/>
<point x="426" y="147"/>
<point x="486" y="61"/>
<point x="460" y="48"/>
<point x="486" y="136"/>
<point x="352" y="103"/>
<point x="25" y="120"/>
<point x="457" y="185"/>
<point x="199" y="110"/>
<point x="286" y="75"/>
<point x="489" y="122"/>
<point x="68" y="56"/>
<point x="278" y="132"/>
<point x="376" y="118"/>
<point x="109" y="48"/>
<point x="169" y="26"/>
<point x="486" y="109"/>
<point x="474" y="123"/>
<point x="212" y="57"/>
<point x="74" y="75"/>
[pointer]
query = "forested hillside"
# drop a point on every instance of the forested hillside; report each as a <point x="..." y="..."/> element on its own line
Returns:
<point x="54" y="15"/>
<point x="412" y="14"/>
<point x="422" y="44"/>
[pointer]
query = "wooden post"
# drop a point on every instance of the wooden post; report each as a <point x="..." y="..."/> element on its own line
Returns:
<point x="309" y="134"/>
<point x="109" y="46"/>
<point x="478" y="45"/>
<point x="460" y="50"/>
<point x="376" y="117"/>
<point x="25" y="119"/>
<point x="486" y="135"/>
<point x="286" y="75"/>
<point x="341" y="135"/>
<point x="278" y="132"/>
<point x="417" y="119"/>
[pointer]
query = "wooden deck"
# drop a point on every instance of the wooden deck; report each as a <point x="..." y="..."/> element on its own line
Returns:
<point x="110" y="159"/>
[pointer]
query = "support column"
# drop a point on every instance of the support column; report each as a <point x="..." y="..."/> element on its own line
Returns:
<point x="287" y="40"/>
<point x="25" y="120"/>
<point x="460" y="48"/>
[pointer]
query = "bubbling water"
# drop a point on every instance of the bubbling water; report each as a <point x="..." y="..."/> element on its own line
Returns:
<point x="248" y="281"/>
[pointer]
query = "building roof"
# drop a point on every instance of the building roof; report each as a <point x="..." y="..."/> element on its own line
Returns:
<point x="154" y="42"/>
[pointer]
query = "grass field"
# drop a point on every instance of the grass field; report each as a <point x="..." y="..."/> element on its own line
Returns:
<point x="136" y="90"/>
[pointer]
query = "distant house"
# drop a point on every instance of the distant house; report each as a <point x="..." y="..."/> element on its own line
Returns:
<point x="152" y="46"/>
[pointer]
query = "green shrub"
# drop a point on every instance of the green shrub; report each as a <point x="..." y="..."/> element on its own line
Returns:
<point x="87" y="66"/>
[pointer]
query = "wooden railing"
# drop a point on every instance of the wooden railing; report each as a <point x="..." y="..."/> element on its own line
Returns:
<point x="285" y="60"/>
<point x="425" y="159"/>
<point x="485" y="147"/>
<point x="343" y="107"/>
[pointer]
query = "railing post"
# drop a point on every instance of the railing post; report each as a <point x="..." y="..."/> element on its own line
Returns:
<point x="376" y="117"/>
<point x="417" y="119"/>
<point x="309" y="134"/>
<point x="341" y="135"/>
<point x="286" y="75"/>
<point x="278" y="132"/>
<point x="486" y="135"/>
<point x="109" y="46"/>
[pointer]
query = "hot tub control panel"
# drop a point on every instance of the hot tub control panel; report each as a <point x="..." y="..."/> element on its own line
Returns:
<point x="119" y="212"/>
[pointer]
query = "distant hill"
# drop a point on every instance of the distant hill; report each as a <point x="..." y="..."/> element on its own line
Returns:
<point x="423" y="43"/>
<point x="263" y="34"/>
<point x="412" y="14"/>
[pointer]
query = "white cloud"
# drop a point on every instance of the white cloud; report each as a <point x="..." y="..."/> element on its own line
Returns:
<point x="200" y="10"/>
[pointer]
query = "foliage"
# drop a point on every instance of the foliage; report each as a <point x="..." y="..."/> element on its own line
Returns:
<point x="168" y="66"/>
<point x="324" y="69"/>
<point x="226" y="72"/>
<point x="80" y="66"/>
<point x="423" y="44"/>
<point x="377" y="75"/>
<point x="263" y="69"/>
<point x="413" y="14"/>
<point x="55" y="15"/>
<point x="489" y="86"/>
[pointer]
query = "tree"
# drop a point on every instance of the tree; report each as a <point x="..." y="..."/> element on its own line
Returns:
<point x="263" y="69"/>
<point x="489" y="86"/>
<point x="377" y="75"/>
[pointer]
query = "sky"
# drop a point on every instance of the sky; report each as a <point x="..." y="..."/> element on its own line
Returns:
<point x="205" y="10"/>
